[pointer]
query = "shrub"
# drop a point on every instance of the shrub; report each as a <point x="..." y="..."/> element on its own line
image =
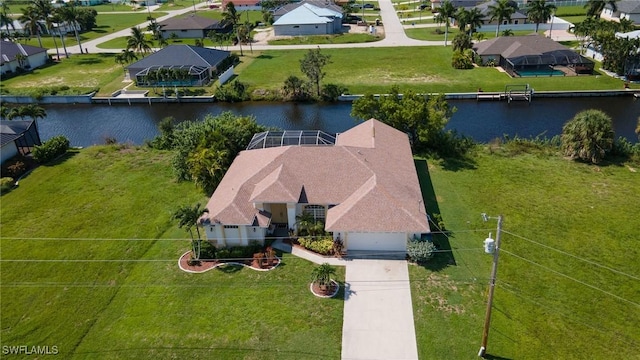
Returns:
<point x="588" y="136"/>
<point x="461" y="60"/>
<point x="16" y="169"/>
<point x="331" y="92"/>
<point x="323" y="246"/>
<point x="207" y="250"/>
<point x="51" y="149"/>
<point x="420" y="251"/>
<point x="6" y="183"/>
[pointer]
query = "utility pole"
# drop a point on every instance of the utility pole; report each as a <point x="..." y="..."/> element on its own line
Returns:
<point x="492" y="285"/>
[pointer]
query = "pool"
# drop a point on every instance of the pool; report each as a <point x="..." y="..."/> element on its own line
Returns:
<point x="539" y="72"/>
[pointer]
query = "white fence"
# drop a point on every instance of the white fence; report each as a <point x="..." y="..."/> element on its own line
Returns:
<point x="225" y="76"/>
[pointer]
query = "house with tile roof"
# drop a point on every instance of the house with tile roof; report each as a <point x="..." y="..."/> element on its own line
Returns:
<point x="362" y="185"/>
<point x="191" y="27"/>
<point x="625" y="9"/>
<point x="201" y="64"/>
<point x="14" y="56"/>
<point x="17" y="137"/>
<point x="523" y="55"/>
<point x="308" y="19"/>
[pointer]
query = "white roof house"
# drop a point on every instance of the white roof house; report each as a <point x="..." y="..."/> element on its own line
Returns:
<point x="308" y="19"/>
<point x="364" y="188"/>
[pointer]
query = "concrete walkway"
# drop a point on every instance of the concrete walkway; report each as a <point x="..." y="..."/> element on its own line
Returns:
<point x="378" y="312"/>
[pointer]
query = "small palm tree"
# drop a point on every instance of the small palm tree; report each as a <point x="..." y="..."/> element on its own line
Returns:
<point x="138" y="42"/>
<point x="187" y="217"/>
<point x="588" y="136"/>
<point x="539" y="11"/>
<point x="321" y="275"/>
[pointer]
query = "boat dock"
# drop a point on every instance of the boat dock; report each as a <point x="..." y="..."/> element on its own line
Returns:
<point x="510" y="93"/>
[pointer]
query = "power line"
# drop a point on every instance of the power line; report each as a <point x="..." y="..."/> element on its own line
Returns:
<point x="573" y="256"/>
<point x="572" y="278"/>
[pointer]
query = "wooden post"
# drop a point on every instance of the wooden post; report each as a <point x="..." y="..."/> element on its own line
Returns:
<point x="492" y="285"/>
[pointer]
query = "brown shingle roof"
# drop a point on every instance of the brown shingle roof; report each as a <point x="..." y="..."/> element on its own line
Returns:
<point x="191" y="22"/>
<point x="369" y="175"/>
<point x="512" y="46"/>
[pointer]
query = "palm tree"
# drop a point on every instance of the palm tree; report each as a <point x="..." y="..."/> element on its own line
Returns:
<point x="232" y="17"/>
<point x="447" y="11"/>
<point x="595" y="7"/>
<point x="462" y="16"/>
<point x="32" y="111"/>
<point x="45" y="10"/>
<point x="31" y="20"/>
<point x="474" y="20"/>
<point x="21" y="59"/>
<point x="187" y="217"/>
<point x="5" y="19"/>
<point x="57" y="19"/>
<point x="125" y="57"/>
<point x="293" y="87"/>
<point x="69" y="13"/>
<point x="539" y="11"/>
<point x="501" y="10"/>
<point x="588" y="136"/>
<point x="137" y="41"/>
<point x="321" y="275"/>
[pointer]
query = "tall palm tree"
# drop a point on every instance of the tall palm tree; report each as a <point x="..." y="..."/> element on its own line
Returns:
<point x="31" y="20"/>
<point x="474" y="20"/>
<point x="69" y="13"/>
<point x="56" y="19"/>
<point x="462" y="16"/>
<point x="5" y="19"/>
<point x="187" y="217"/>
<point x="138" y="42"/>
<point x="32" y="111"/>
<point x="45" y="11"/>
<point x="447" y="11"/>
<point x="232" y="17"/>
<point x="595" y="7"/>
<point x="539" y="11"/>
<point x="501" y="10"/>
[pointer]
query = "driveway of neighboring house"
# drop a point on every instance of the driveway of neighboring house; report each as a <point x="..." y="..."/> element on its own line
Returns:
<point x="378" y="313"/>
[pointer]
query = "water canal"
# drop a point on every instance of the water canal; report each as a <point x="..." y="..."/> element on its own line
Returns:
<point x="86" y="125"/>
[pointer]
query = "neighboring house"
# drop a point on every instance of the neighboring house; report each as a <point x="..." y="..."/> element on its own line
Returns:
<point x="435" y="4"/>
<point x="191" y="27"/>
<point x="362" y="185"/>
<point x="17" y="137"/>
<point x="531" y="55"/>
<point x="625" y="9"/>
<point x="14" y="56"/>
<point x="308" y="19"/>
<point x="317" y="3"/>
<point x="200" y="63"/>
<point x="517" y="18"/>
<point x="242" y="5"/>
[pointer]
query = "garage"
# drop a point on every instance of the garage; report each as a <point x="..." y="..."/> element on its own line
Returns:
<point x="374" y="241"/>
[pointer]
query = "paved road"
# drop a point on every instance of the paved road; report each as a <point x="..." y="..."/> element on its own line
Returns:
<point x="394" y="35"/>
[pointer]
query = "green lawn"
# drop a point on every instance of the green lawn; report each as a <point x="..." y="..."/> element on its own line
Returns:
<point x="112" y="206"/>
<point x="431" y="34"/>
<point x="327" y="39"/>
<point x="586" y="211"/>
<point x="574" y="19"/>
<point x="571" y="10"/>
<point x="107" y="23"/>
<point x="372" y="70"/>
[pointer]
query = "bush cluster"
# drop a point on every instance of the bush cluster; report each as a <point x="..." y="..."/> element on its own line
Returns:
<point x="51" y="149"/>
<point x="420" y="251"/>
<point x="236" y="252"/>
<point x="6" y="183"/>
<point x="323" y="246"/>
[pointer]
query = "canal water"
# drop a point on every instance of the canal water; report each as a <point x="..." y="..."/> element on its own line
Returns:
<point x="86" y="125"/>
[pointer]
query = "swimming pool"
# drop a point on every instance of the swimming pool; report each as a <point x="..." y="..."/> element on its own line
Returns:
<point x="538" y="72"/>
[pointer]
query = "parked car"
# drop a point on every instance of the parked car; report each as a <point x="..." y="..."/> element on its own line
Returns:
<point x="368" y="6"/>
<point x="424" y="6"/>
<point x="214" y="6"/>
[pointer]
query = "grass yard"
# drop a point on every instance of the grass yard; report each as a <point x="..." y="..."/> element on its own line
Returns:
<point x="81" y="72"/>
<point x="327" y="39"/>
<point x="111" y="206"/>
<point x="560" y="217"/>
<point x="372" y="70"/>
<point x="430" y="34"/>
<point x="107" y="23"/>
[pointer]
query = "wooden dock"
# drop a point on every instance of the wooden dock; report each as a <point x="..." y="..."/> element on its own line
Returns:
<point x="510" y="93"/>
<point x="489" y="96"/>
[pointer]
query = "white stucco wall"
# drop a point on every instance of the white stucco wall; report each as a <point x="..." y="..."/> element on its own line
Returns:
<point x="298" y="30"/>
<point x="8" y="151"/>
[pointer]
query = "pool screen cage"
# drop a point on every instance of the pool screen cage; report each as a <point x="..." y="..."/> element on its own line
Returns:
<point x="269" y="139"/>
<point x="566" y="58"/>
<point x="173" y="75"/>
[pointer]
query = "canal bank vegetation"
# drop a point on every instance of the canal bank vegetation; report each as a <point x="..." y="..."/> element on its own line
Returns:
<point x="115" y="203"/>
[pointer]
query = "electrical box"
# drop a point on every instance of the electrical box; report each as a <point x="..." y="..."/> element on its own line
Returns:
<point x="489" y="245"/>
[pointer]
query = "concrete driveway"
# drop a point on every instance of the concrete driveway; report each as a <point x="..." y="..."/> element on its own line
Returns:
<point x="378" y="313"/>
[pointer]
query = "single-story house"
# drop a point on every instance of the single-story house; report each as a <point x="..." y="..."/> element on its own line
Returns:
<point x="242" y="5"/>
<point x="517" y="17"/>
<point x="308" y="19"/>
<point x="435" y="4"/>
<point x="277" y="13"/>
<point x="14" y="56"/>
<point x="191" y="27"/>
<point x="532" y="55"/>
<point x="17" y="137"/>
<point x="199" y="63"/>
<point x="625" y="9"/>
<point x="362" y="184"/>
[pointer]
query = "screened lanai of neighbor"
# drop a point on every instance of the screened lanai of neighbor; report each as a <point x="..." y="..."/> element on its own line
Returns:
<point x="290" y="137"/>
<point x="173" y="75"/>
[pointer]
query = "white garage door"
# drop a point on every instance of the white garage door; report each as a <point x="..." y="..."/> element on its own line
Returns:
<point x="377" y="241"/>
